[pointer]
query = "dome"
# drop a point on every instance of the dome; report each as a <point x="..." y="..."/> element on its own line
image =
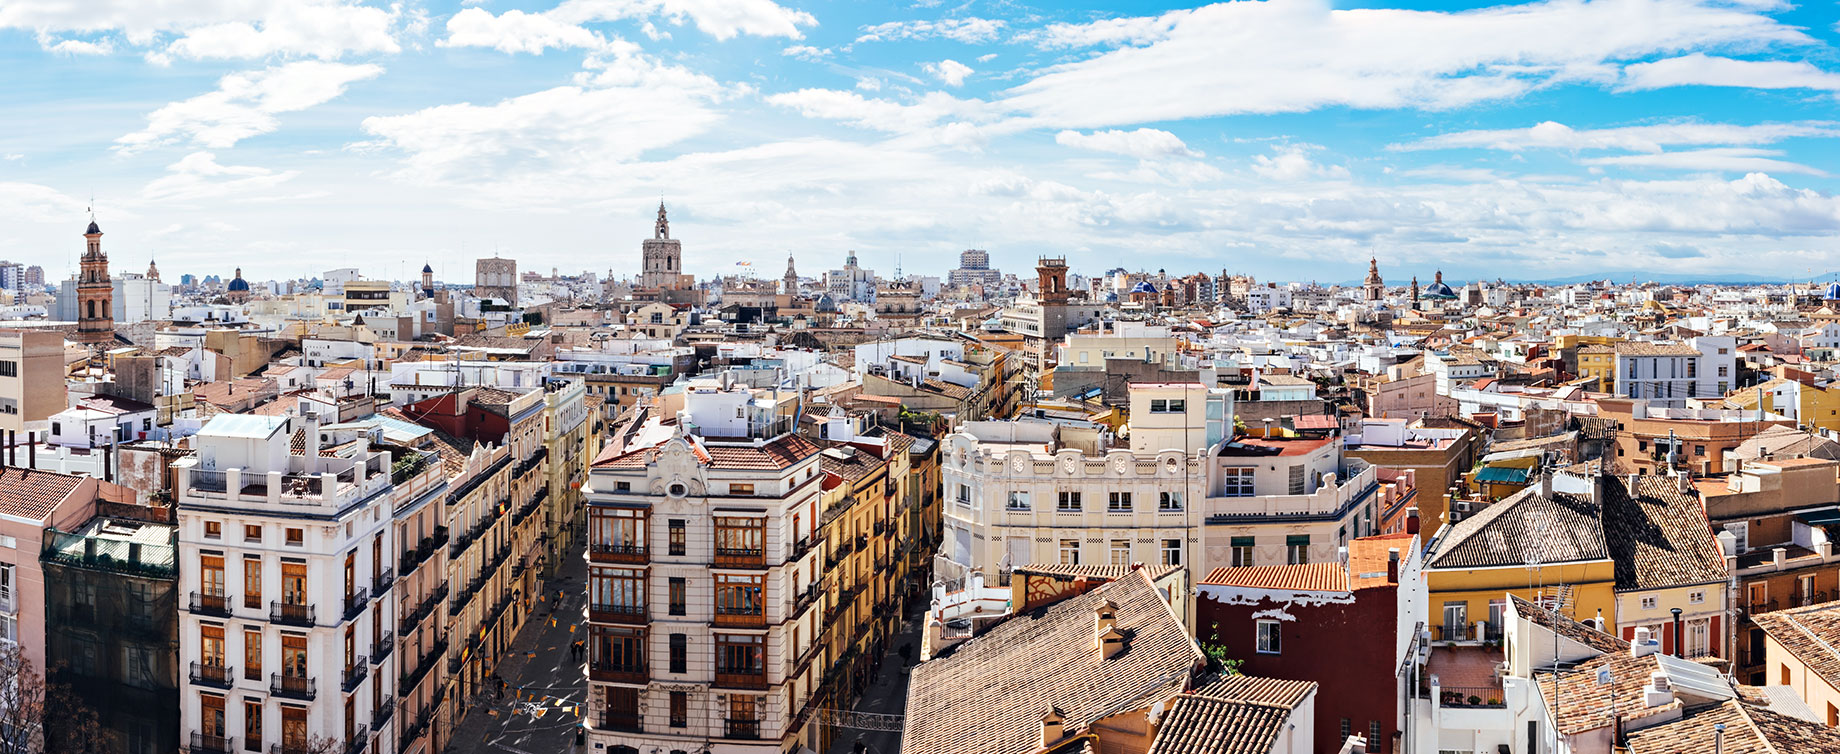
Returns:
<point x="238" y="283"/>
<point x="93" y="228"/>
<point x="1833" y="291"/>
<point x="826" y="304"/>
<point x="1143" y="286"/>
<point x="427" y="269"/>
<point x="1439" y="290"/>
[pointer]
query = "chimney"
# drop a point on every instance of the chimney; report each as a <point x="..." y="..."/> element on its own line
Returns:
<point x="1598" y="622"/>
<point x="1643" y="645"/>
<point x="1412" y="520"/>
<point x="312" y="443"/>
<point x="1546" y="485"/>
<point x="1356" y="745"/>
<point x="1659" y="691"/>
<point x="1052" y="727"/>
<point x="1111" y="642"/>
<point x="1392" y="564"/>
<point x="1105" y="614"/>
<point x="1780" y="557"/>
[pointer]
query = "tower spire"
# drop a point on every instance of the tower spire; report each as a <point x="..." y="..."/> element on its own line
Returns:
<point x="663" y="229"/>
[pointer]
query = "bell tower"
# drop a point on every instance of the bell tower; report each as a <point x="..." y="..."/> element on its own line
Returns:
<point x="95" y="292"/>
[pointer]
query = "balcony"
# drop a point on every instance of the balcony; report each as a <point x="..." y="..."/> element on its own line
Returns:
<point x="609" y="672"/>
<point x="210" y="604"/>
<point x="291" y="687"/>
<point x="409" y="622"/>
<point x="355" y="603"/>
<point x="742" y="728"/>
<point x="220" y="676"/>
<point x="740" y="617"/>
<point x="1804" y="600"/>
<point x="204" y="742"/>
<point x="382" y="648"/>
<point x="415" y="729"/>
<point x="747" y="557"/>
<point x="414" y="676"/>
<point x="290" y="614"/>
<point x="1480" y="697"/>
<point x="381" y="716"/>
<point x="616" y="613"/>
<point x="357" y="744"/>
<point x="606" y="553"/>
<point x="755" y="679"/>
<point x="382" y="581"/>
<point x="355" y="673"/>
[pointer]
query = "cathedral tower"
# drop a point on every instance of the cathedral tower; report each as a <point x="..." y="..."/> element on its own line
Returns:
<point x="95" y="292"/>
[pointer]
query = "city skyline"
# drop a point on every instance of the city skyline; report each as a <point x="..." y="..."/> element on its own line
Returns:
<point x="1487" y="140"/>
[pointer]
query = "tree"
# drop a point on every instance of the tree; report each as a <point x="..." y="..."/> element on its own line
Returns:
<point x="1217" y="653"/>
<point x="71" y="726"/>
<point x="22" y="702"/>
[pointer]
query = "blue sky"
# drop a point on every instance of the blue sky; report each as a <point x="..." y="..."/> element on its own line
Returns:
<point x="1288" y="139"/>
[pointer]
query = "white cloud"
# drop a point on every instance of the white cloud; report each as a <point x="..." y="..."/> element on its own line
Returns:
<point x="806" y="53"/>
<point x="245" y="105"/>
<point x="937" y="115"/>
<point x="514" y="31"/>
<point x="1112" y="31"/>
<point x="1143" y="143"/>
<point x="949" y="72"/>
<point x="1699" y="69"/>
<point x="199" y="176"/>
<point x="1649" y="138"/>
<point x="31" y="202"/>
<point x="1722" y="159"/>
<point x="970" y="30"/>
<point x="81" y="47"/>
<point x="987" y="57"/>
<point x="869" y="84"/>
<point x="1291" y="162"/>
<point x="324" y="30"/>
<point x="1301" y="55"/>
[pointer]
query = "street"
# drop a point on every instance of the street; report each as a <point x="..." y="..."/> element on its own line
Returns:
<point x="887" y="695"/>
<point x="550" y="683"/>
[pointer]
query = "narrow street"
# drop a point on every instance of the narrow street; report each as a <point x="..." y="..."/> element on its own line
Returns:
<point x="551" y="681"/>
<point x="887" y="695"/>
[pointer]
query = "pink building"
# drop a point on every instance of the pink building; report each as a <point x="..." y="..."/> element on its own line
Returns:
<point x="30" y="502"/>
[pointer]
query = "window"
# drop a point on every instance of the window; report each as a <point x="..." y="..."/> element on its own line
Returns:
<point x="211" y="575"/>
<point x="252" y="725"/>
<point x="964" y="494"/>
<point x="622" y="486"/>
<point x="211" y="645"/>
<point x="1722" y="372"/>
<point x="740" y="541"/>
<point x="678" y="536"/>
<point x="680" y="653"/>
<point x="1121" y="552"/>
<point x="252" y="654"/>
<point x="1168" y="501"/>
<point x="677" y="590"/>
<point x="1070" y="552"/>
<point x="1297" y="549"/>
<point x="616" y="590"/>
<point x="1784" y="672"/>
<point x="1740" y="530"/>
<point x="1241" y="551"/>
<point x="1018" y="500"/>
<point x="1069" y="502"/>
<point x="1160" y="406"/>
<point x="1172" y="552"/>
<point x="1297" y="485"/>
<point x="1345" y="729"/>
<point x="252" y="582"/>
<point x="293" y="656"/>
<point x="296" y="537"/>
<point x="1699" y="633"/>
<point x="1648" y="603"/>
<point x="213" y="530"/>
<point x="741" y="489"/>
<point x="1268" y="641"/>
<point x="617" y="531"/>
<point x="680" y="709"/>
<point x="252" y="533"/>
<point x="9" y="369"/>
<point x="293" y="583"/>
<point x="1119" y="502"/>
<point x="1373" y="735"/>
<point x="738" y="596"/>
<point x="1696" y="598"/>
<point x="1236" y="481"/>
<point x="739" y="654"/>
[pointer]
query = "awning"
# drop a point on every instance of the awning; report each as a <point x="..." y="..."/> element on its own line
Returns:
<point x="1824" y="517"/>
<point x="1503" y="475"/>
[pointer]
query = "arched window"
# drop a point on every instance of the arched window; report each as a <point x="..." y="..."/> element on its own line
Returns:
<point x="92" y="309"/>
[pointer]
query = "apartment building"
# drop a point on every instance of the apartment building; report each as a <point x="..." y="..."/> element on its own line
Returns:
<point x="569" y="444"/>
<point x="31" y="377"/>
<point x="706" y="594"/>
<point x="282" y="537"/>
<point x="1667" y="374"/>
<point x="1696" y="440"/>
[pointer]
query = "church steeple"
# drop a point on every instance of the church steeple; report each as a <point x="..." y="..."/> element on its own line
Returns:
<point x="1373" y="287"/>
<point x="153" y="270"/>
<point x="662" y="230"/>
<point x="95" y="291"/>
<point x="791" y="280"/>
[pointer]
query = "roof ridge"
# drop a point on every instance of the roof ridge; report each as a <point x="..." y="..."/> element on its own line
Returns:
<point x="1744" y="713"/>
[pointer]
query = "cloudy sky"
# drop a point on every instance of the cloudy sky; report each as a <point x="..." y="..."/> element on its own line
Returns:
<point x="1288" y="139"/>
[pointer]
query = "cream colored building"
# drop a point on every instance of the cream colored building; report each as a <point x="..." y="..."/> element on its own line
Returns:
<point x="31" y="377"/>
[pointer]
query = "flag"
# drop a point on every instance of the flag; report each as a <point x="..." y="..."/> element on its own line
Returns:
<point x="539" y="712"/>
<point x="492" y="712"/>
<point x="744" y="264"/>
<point x="571" y="628"/>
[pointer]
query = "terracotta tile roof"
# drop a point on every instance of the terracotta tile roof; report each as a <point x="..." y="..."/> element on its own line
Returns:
<point x="1367" y="558"/>
<point x="31" y="494"/>
<point x="1748" y="730"/>
<point x="1094" y="570"/>
<point x="1659" y="537"/>
<point x="1559" y="529"/>
<point x="773" y="456"/>
<point x="1564" y="626"/>
<point x="1640" y="348"/>
<point x="1583" y="703"/>
<point x="1810" y="633"/>
<point x="946" y="389"/>
<point x="987" y="695"/>
<point x="1199" y="725"/>
<point x="1307" y="577"/>
<point x="1246" y="688"/>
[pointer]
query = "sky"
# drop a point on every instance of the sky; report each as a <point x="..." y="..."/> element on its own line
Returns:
<point x="1286" y="139"/>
